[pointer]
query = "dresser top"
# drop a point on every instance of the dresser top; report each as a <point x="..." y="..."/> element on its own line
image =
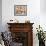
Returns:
<point x="19" y="23"/>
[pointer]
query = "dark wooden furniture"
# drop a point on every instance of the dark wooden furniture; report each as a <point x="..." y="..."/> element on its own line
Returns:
<point x="22" y="33"/>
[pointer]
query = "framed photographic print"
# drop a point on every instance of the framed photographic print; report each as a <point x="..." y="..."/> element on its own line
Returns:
<point x="20" y="10"/>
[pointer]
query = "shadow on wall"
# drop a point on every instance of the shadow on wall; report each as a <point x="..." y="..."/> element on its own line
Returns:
<point x="43" y="6"/>
<point x="0" y="15"/>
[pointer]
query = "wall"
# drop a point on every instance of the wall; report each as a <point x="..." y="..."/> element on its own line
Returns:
<point x="0" y="15"/>
<point x="34" y="14"/>
<point x="43" y="14"/>
<point x="33" y="10"/>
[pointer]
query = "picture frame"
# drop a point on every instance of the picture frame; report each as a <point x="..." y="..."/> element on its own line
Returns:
<point x="20" y="10"/>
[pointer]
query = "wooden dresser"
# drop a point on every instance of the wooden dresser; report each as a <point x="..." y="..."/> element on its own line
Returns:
<point x="22" y="33"/>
